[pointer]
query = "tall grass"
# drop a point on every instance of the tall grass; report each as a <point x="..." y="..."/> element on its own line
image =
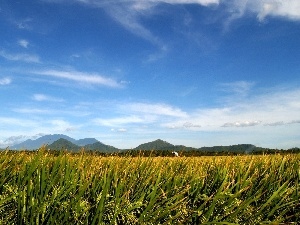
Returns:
<point x="40" y="188"/>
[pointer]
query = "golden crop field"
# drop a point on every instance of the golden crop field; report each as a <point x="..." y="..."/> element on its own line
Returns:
<point x="40" y="188"/>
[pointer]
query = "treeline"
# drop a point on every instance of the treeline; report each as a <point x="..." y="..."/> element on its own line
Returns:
<point x="193" y="153"/>
<point x="164" y="153"/>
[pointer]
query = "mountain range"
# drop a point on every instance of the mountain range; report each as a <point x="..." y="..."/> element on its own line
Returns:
<point x="60" y="141"/>
<point x="49" y="139"/>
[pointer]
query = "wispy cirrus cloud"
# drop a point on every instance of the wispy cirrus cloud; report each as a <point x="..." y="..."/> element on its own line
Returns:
<point x="240" y="88"/>
<point x="40" y="111"/>
<point x="119" y="121"/>
<point x="128" y="19"/>
<point x="42" y="97"/>
<point x="128" y="14"/>
<point x="81" y="77"/>
<point x="121" y="130"/>
<point x="276" y="107"/>
<point x="155" y="108"/>
<point x="131" y="13"/>
<point x="24" y="24"/>
<point x="141" y="4"/>
<point x="139" y="114"/>
<point x="30" y="110"/>
<point x="23" y="43"/>
<point x="5" y="81"/>
<point x="19" y="122"/>
<point x="182" y="125"/>
<point x="59" y="125"/>
<point x="258" y="111"/>
<point x="29" y="58"/>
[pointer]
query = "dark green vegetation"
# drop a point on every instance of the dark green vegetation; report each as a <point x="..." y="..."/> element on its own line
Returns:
<point x="40" y="188"/>
<point x="155" y="148"/>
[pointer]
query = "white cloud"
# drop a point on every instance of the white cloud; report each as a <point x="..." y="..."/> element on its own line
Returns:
<point x="279" y="123"/>
<point x="31" y="110"/>
<point x="42" y="97"/>
<point x="273" y="108"/>
<point x="23" y="24"/>
<point x="5" y="81"/>
<point x="156" y="109"/>
<point x="128" y="18"/>
<point x="289" y="9"/>
<point x="242" y="124"/>
<point x="115" y="122"/>
<point x="23" y="43"/>
<point x="140" y="114"/>
<point x="240" y="88"/>
<point x="294" y="122"/>
<point x="182" y="125"/>
<point x="128" y="13"/>
<point x="283" y="8"/>
<point x="188" y="91"/>
<point x="61" y="126"/>
<point x="159" y="55"/>
<point x="17" y="122"/>
<point x="12" y="140"/>
<point x="83" y="78"/>
<point x="122" y="130"/>
<point x="201" y="2"/>
<point x="20" y="57"/>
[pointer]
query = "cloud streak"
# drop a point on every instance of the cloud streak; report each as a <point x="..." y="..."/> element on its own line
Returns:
<point x="62" y="126"/>
<point x="81" y="77"/>
<point x="42" y="97"/>
<point x="281" y="123"/>
<point x="23" y="43"/>
<point x="119" y="121"/>
<point x="29" y="58"/>
<point x="130" y="13"/>
<point x="240" y="88"/>
<point x="156" y="109"/>
<point x="274" y="108"/>
<point x="5" y="81"/>
<point x="10" y="121"/>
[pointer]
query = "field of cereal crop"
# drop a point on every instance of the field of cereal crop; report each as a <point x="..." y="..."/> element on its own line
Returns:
<point x="40" y="188"/>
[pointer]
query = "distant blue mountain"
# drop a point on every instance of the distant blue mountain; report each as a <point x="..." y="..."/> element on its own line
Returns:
<point x="61" y="141"/>
<point x="49" y="139"/>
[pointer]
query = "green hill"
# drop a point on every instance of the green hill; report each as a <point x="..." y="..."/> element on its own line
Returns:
<point x="240" y="148"/>
<point x="98" y="146"/>
<point x="155" y="145"/>
<point x="63" y="144"/>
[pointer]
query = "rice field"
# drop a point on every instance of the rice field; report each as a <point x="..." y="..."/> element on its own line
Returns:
<point x="40" y="188"/>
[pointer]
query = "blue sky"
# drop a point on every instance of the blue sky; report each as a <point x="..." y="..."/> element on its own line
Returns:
<point x="191" y="72"/>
